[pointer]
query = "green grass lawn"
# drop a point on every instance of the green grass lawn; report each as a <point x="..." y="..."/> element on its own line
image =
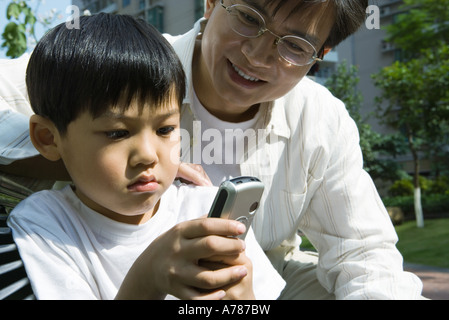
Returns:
<point x="426" y="246"/>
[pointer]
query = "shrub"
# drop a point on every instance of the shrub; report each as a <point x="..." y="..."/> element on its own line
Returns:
<point x="402" y="187"/>
<point x="440" y="186"/>
<point x="432" y="203"/>
<point x="405" y="187"/>
<point x="436" y="203"/>
<point x="425" y="184"/>
<point x="406" y="203"/>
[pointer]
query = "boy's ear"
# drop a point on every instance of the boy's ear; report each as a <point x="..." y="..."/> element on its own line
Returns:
<point x="210" y="5"/>
<point x="42" y="134"/>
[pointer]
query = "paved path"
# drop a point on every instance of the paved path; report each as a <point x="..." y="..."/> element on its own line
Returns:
<point x="435" y="281"/>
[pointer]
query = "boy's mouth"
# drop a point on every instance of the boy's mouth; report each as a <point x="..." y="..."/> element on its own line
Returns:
<point x="144" y="184"/>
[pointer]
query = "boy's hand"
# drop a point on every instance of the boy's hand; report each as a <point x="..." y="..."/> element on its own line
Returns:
<point x="240" y="290"/>
<point x="170" y="265"/>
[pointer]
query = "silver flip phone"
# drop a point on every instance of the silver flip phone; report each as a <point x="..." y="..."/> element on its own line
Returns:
<point x="238" y="199"/>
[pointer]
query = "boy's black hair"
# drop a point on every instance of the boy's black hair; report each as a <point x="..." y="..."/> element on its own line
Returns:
<point x="108" y="62"/>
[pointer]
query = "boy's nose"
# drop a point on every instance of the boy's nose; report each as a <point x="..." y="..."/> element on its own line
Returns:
<point x="144" y="153"/>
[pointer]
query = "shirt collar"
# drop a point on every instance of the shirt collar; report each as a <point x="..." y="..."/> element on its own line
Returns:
<point x="184" y="47"/>
<point x="275" y="119"/>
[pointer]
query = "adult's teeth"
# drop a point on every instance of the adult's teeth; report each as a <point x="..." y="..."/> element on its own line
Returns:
<point x="244" y="75"/>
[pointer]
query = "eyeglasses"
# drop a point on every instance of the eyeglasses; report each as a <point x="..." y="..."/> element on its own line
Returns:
<point x="249" y="23"/>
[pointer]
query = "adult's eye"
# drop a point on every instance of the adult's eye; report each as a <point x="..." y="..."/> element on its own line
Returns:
<point x="247" y="18"/>
<point x="294" y="47"/>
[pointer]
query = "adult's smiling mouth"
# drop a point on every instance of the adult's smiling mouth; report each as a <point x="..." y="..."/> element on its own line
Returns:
<point x="242" y="77"/>
<point x="243" y="74"/>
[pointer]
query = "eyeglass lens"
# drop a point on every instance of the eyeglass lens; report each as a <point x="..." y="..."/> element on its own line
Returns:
<point x="249" y="23"/>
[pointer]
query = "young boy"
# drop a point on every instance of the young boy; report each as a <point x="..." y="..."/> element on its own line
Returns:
<point x="106" y="99"/>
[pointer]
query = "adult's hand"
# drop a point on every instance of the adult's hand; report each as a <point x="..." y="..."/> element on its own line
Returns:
<point x="193" y="174"/>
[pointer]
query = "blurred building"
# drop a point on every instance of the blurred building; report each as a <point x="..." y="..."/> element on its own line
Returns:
<point x="368" y="50"/>
<point x="170" y="16"/>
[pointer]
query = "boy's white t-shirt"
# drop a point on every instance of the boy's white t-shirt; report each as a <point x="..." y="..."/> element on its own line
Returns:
<point x="72" y="252"/>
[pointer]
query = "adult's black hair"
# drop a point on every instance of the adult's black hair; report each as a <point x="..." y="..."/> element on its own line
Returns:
<point x="108" y="62"/>
<point x="349" y="15"/>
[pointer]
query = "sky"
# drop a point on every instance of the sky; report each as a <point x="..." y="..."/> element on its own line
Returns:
<point x="45" y="8"/>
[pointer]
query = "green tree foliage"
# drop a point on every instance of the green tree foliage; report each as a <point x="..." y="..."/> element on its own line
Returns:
<point x="21" y="26"/>
<point x="415" y="96"/>
<point x="378" y="150"/>
<point x="424" y="24"/>
<point x="417" y="100"/>
<point x="20" y="31"/>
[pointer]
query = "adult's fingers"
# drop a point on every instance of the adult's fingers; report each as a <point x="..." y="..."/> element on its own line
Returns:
<point x="193" y="174"/>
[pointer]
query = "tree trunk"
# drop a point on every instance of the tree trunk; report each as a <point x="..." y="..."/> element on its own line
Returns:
<point x="417" y="194"/>
<point x="418" y="208"/>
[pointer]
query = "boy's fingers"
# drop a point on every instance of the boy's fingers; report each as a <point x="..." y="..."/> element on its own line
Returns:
<point x="210" y="237"/>
<point x="205" y="247"/>
<point x="212" y="226"/>
<point x="200" y="283"/>
<point x="222" y="261"/>
<point x="214" y="279"/>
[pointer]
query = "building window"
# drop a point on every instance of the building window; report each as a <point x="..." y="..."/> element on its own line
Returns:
<point x="126" y="3"/>
<point x="142" y="4"/>
<point x="156" y="17"/>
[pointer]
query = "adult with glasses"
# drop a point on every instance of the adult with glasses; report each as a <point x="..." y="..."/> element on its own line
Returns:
<point x="246" y="64"/>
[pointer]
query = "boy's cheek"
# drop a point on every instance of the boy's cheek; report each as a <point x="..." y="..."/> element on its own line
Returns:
<point x="175" y="154"/>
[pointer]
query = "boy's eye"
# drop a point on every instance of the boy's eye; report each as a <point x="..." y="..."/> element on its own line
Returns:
<point x="117" y="134"/>
<point x="165" y="131"/>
